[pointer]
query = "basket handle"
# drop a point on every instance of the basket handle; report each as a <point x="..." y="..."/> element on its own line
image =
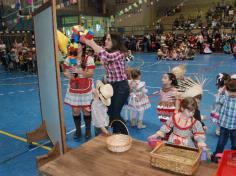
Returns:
<point x="117" y="120"/>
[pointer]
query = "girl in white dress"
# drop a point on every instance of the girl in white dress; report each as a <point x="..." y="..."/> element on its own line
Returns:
<point x="138" y="101"/>
<point x="102" y="99"/>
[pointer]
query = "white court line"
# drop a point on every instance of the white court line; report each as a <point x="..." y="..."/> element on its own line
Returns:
<point x="21" y="91"/>
<point x="158" y="71"/>
<point x="47" y="142"/>
<point x="1" y="94"/>
<point x="151" y="87"/>
<point x="31" y="89"/>
<point x="12" y="78"/>
<point x="144" y="66"/>
<point x="10" y="93"/>
<point x="82" y="126"/>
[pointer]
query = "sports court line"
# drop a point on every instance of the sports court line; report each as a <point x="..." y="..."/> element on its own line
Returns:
<point x="21" y="77"/>
<point x="18" y="92"/>
<point x="24" y="140"/>
<point x="69" y="132"/>
<point x="19" y="84"/>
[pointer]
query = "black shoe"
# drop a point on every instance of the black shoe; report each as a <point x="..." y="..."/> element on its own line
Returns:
<point x="214" y="159"/>
<point x="77" y="135"/>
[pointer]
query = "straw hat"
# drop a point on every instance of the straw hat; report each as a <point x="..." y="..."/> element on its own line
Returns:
<point x="190" y="88"/>
<point x="105" y="92"/>
<point x="233" y="76"/>
<point x="179" y="71"/>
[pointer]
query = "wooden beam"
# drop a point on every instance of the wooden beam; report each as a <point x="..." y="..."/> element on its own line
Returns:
<point x="38" y="134"/>
<point x="53" y="154"/>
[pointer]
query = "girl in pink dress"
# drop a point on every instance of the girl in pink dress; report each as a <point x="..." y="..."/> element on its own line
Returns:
<point x="168" y="93"/>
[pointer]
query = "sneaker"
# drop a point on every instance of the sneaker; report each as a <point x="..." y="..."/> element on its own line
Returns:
<point x="141" y="125"/>
<point x="77" y="135"/>
<point x="218" y="131"/>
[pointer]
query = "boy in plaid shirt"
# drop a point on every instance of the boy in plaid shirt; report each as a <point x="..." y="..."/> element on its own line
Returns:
<point x="227" y="120"/>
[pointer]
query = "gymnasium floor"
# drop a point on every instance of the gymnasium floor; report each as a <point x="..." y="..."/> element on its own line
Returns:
<point x="20" y="111"/>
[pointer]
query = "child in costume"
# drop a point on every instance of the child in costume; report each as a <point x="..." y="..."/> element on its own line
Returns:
<point x="227" y="119"/>
<point x="194" y="89"/>
<point x="126" y="108"/>
<point x="102" y="99"/>
<point x="163" y="52"/>
<point x="206" y="49"/>
<point x="138" y="101"/>
<point x="79" y="69"/>
<point x="168" y="102"/>
<point x="221" y="81"/>
<point x="185" y="130"/>
<point x="227" y="48"/>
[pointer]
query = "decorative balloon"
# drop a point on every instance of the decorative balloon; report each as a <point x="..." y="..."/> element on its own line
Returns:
<point x="63" y="42"/>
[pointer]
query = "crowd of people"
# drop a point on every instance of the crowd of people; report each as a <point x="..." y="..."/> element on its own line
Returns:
<point x="220" y="15"/>
<point x="20" y="57"/>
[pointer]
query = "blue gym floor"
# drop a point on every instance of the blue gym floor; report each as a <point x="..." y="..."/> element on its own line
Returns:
<point x="20" y="109"/>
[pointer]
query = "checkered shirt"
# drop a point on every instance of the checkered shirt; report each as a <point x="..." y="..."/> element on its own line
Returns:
<point x="227" y="112"/>
<point x="114" y="64"/>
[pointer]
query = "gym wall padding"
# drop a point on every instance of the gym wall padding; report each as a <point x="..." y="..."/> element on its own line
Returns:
<point x="48" y="74"/>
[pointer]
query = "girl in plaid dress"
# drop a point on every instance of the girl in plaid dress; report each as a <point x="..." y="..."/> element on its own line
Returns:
<point x="185" y="129"/>
<point x="138" y="101"/>
<point x="79" y="69"/>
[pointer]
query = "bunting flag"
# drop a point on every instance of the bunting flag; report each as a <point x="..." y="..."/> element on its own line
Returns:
<point x="135" y="5"/>
<point x="30" y="2"/>
<point x="130" y="7"/>
<point x="13" y="6"/>
<point x="73" y="1"/>
<point x="140" y="1"/>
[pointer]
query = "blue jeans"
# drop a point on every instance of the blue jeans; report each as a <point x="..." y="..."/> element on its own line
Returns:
<point x="223" y="138"/>
<point x="120" y="96"/>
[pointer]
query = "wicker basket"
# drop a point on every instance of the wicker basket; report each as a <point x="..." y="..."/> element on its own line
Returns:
<point x="178" y="159"/>
<point x="119" y="142"/>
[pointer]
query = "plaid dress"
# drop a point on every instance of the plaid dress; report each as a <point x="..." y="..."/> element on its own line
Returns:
<point x="138" y="100"/>
<point x="184" y="135"/>
<point x="75" y="99"/>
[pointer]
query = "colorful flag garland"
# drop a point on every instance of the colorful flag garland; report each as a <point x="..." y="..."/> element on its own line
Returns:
<point x="17" y="6"/>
